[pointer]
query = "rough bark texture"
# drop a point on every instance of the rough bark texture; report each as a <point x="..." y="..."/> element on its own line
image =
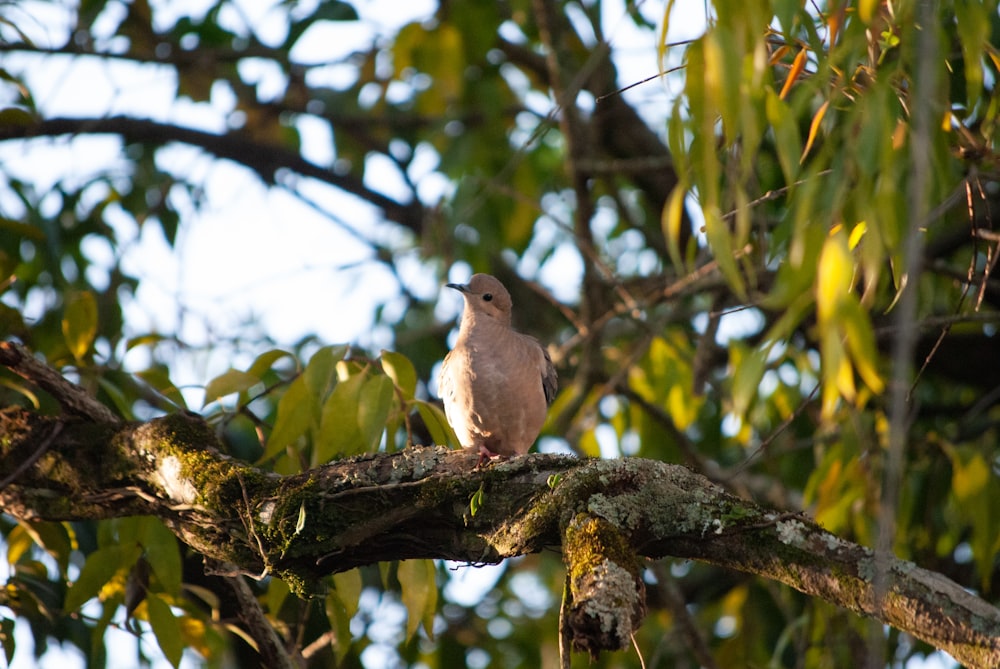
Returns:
<point x="416" y="504"/>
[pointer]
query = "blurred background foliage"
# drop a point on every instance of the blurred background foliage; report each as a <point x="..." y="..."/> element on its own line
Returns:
<point x="716" y="258"/>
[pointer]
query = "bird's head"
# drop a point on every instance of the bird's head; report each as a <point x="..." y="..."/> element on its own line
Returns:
<point x="484" y="294"/>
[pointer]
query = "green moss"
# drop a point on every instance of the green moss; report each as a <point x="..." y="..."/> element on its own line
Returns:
<point x="589" y="541"/>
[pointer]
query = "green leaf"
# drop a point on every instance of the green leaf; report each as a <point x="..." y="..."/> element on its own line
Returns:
<point x="329" y="10"/>
<point x="227" y="383"/>
<point x="166" y="628"/>
<point x="748" y="366"/>
<point x="349" y="586"/>
<point x="58" y="540"/>
<point x="340" y="622"/>
<point x="417" y="579"/>
<point x="163" y="553"/>
<point x="100" y="567"/>
<point x="79" y="324"/>
<point x="296" y="410"/>
<point x="476" y="501"/>
<point x="374" y="404"/>
<point x="158" y="377"/>
<point x="15" y="116"/>
<point x="436" y="423"/>
<point x="7" y="639"/>
<point x="321" y="372"/>
<point x="399" y="368"/>
<point x="265" y="361"/>
<point x="339" y="434"/>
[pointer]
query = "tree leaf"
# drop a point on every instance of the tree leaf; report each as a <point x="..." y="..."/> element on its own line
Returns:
<point x="296" y="412"/>
<point x="100" y="567"/>
<point x="163" y="554"/>
<point x="7" y="641"/>
<point x="339" y="432"/>
<point x="417" y="578"/>
<point x="349" y="586"/>
<point x="436" y="423"/>
<point x="265" y="361"/>
<point x="374" y="404"/>
<point x="166" y="628"/>
<point x="401" y="371"/>
<point x="227" y="383"/>
<point x="79" y="323"/>
<point x="340" y="622"/>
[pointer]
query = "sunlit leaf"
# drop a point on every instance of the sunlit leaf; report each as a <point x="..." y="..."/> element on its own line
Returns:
<point x="814" y="126"/>
<point x="227" y="383"/>
<point x="79" y="324"/>
<point x="399" y="368"/>
<point x="436" y="423"/>
<point x="374" y="404"/>
<point x="296" y="411"/>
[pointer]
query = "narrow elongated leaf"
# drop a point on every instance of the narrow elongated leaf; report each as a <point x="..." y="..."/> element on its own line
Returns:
<point x="419" y="594"/>
<point x="349" y="585"/>
<point x="162" y="553"/>
<point x="79" y="324"/>
<point x="340" y="623"/>
<point x="7" y="641"/>
<point x="374" y="404"/>
<point x="436" y="422"/>
<point x="339" y="433"/>
<point x="166" y="628"/>
<point x="296" y="412"/>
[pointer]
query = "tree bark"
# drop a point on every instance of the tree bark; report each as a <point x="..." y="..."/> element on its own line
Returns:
<point x="415" y="503"/>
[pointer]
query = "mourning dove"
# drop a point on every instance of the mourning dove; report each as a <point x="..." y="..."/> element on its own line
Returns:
<point x="496" y="383"/>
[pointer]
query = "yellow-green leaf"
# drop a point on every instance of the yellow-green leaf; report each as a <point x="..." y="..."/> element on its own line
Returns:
<point x="349" y="585"/>
<point x="374" y="403"/>
<point x="340" y="622"/>
<point x="100" y="567"/>
<point x="436" y="423"/>
<point x="339" y="433"/>
<point x="401" y="371"/>
<point x="79" y="324"/>
<point x="227" y="383"/>
<point x="166" y="628"/>
<point x="417" y="578"/>
<point x="265" y="361"/>
<point x="296" y="411"/>
<point x="162" y="553"/>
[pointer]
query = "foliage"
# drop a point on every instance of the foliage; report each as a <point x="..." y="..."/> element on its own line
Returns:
<point x="745" y="251"/>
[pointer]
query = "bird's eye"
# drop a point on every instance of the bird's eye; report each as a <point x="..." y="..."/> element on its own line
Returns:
<point x="487" y="297"/>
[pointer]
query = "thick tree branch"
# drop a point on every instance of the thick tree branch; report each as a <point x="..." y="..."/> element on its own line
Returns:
<point x="415" y="504"/>
<point x="264" y="159"/>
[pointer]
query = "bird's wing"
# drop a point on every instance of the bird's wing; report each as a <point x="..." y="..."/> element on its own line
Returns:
<point x="445" y="390"/>
<point x="550" y="380"/>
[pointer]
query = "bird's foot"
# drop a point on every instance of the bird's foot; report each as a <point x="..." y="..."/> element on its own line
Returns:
<point x="486" y="456"/>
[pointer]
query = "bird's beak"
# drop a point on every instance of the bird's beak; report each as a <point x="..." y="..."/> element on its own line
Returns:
<point x="460" y="287"/>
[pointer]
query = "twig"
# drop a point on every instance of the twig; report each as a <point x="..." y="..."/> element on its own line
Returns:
<point x="34" y="457"/>
<point x="71" y="397"/>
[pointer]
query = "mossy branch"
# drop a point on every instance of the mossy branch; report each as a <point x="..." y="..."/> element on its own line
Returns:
<point x="415" y="504"/>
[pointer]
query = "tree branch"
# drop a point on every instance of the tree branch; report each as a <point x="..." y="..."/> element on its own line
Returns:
<point x="264" y="159"/>
<point x="415" y="504"/>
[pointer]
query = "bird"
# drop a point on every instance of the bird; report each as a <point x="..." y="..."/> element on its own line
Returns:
<point x="496" y="383"/>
